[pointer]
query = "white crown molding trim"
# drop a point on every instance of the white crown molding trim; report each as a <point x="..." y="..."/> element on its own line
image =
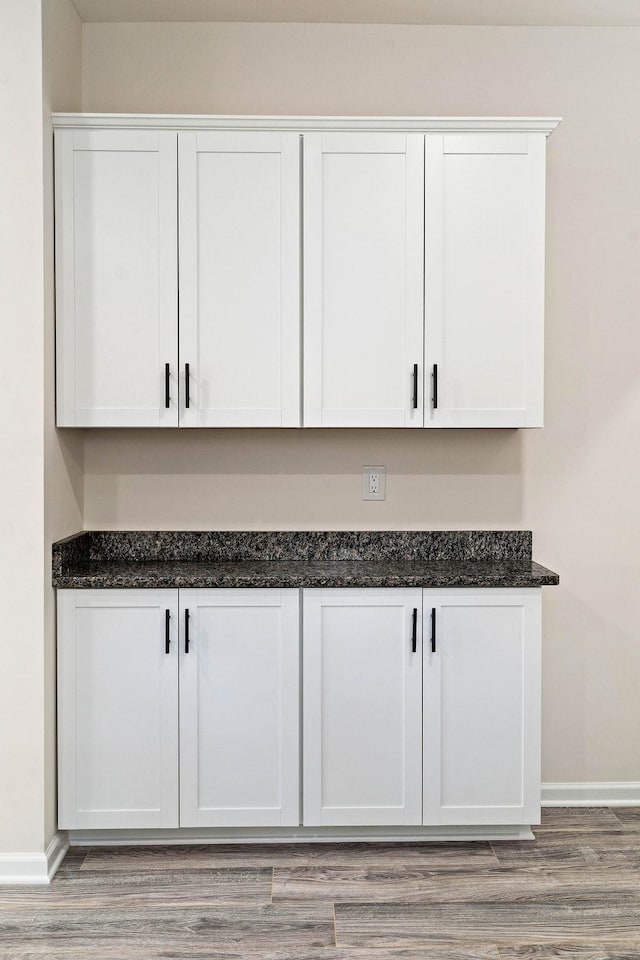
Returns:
<point x="597" y="794"/>
<point x="19" y="868"/>
<point x="161" y="121"/>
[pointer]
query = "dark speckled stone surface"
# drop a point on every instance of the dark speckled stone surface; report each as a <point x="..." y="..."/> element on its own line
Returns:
<point x="469" y="558"/>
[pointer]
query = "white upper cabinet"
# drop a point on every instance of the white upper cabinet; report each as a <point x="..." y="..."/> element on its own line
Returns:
<point x="332" y="272"/>
<point x="484" y="280"/>
<point x="481" y="706"/>
<point x="363" y="311"/>
<point x="116" y="278"/>
<point x="239" y="279"/>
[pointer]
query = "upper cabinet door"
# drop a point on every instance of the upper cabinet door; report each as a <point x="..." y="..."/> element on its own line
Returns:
<point x="484" y="280"/>
<point x="363" y="267"/>
<point x="481" y="709"/>
<point x="239" y="279"/>
<point x="116" y="269"/>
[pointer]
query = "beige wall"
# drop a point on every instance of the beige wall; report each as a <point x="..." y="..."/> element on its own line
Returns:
<point x="21" y="431"/>
<point x="63" y="450"/>
<point x="575" y="483"/>
<point x="41" y="483"/>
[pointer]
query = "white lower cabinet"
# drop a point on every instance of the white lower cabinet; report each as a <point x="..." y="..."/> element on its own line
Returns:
<point x="184" y="708"/>
<point x="362" y="698"/>
<point x="117" y="708"/>
<point x="481" y="706"/>
<point x="125" y="660"/>
<point x="239" y="708"/>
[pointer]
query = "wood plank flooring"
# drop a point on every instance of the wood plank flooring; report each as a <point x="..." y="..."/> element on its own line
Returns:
<point x="572" y="894"/>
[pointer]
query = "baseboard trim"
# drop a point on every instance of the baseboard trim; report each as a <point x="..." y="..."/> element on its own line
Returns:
<point x="597" y="794"/>
<point x="18" y="868"/>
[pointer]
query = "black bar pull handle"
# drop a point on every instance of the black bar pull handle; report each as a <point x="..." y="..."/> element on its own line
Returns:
<point x="414" y="630"/>
<point x="167" y="635"/>
<point x="433" y="629"/>
<point x="415" y="386"/>
<point x="435" y="386"/>
<point x="186" y="631"/>
<point x="167" y="390"/>
<point x="187" y="398"/>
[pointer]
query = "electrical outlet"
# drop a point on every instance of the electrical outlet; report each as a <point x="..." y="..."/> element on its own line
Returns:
<point x="374" y="483"/>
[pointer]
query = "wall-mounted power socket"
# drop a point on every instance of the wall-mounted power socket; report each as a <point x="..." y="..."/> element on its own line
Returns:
<point x="374" y="483"/>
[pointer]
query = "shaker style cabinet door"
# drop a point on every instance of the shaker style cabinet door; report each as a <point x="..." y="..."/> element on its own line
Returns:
<point x="363" y="276"/>
<point x="117" y="708"/>
<point x="239" y="279"/>
<point x="482" y="706"/>
<point x="362" y="701"/>
<point x="116" y="278"/>
<point x="484" y="280"/>
<point x="239" y="708"/>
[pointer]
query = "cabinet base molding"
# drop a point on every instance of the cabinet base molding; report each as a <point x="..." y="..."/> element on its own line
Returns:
<point x="596" y="794"/>
<point x="34" y="867"/>
<point x="186" y="835"/>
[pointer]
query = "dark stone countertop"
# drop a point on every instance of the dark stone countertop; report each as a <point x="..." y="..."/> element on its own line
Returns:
<point x="132" y="559"/>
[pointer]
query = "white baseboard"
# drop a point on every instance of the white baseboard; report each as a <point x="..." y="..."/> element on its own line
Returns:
<point x="34" y="867"/>
<point x="599" y="794"/>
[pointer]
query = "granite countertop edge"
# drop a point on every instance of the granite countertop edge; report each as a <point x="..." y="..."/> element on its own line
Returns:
<point x="283" y="575"/>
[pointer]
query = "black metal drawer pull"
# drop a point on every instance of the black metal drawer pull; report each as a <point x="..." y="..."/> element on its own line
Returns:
<point x="167" y="636"/>
<point x="186" y="386"/>
<point x="414" y="630"/>
<point x="167" y="391"/>
<point x="186" y="631"/>
<point x="415" y="386"/>
<point x="433" y="629"/>
<point x="435" y="386"/>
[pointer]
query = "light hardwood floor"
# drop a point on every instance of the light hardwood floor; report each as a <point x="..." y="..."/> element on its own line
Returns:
<point x="572" y="893"/>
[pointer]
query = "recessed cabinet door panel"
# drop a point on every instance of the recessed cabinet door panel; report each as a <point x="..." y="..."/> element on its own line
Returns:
<point x="239" y="708"/>
<point x="239" y="279"/>
<point x="363" y="309"/>
<point x="484" y="280"/>
<point x="481" y="707"/>
<point x="116" y="268"/>
<point x="361" y="703"/>
<point x="117" y="708"/>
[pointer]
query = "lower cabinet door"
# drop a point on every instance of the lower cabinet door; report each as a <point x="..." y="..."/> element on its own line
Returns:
<point x="482" y="706"/>
<point x="117" y="708"/>
<point x="239" y="708"/>
<point x="362" y="707"/>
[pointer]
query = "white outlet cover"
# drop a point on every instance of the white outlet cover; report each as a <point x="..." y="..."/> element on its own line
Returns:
<point x="372" y="478"/>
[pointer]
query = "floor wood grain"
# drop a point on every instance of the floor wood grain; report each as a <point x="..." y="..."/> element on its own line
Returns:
<point x="551" y="952"/>
<point x="629" y="817"/>
<point x="88" y="891"/>
<point x="173" y="858"/>
<point x="506" y="884"/>
<point x="572" y="894"/>
<point x="538" y="921"/>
